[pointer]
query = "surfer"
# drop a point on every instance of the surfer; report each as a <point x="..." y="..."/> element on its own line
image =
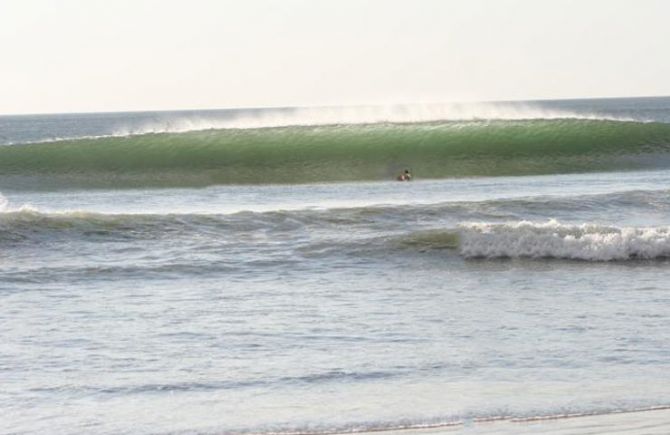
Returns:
<point x="405" y="176"/>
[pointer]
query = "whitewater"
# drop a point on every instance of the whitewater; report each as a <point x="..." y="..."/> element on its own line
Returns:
<point x="260" y="271"/>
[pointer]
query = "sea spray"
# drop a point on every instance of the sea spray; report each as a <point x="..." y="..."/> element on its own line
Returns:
<point x="359" y="115"/>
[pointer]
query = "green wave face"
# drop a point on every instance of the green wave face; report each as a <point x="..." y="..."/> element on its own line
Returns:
<point x="339" y="153"/>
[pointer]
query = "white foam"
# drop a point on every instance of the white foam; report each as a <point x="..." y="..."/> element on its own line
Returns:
<point x="591" y="242"/>
<point x="6" y="209"/>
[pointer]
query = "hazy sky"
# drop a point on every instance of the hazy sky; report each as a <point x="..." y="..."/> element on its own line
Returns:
<point x="108" y="55"/>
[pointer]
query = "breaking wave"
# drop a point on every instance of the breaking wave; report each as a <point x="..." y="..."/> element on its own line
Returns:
<point x="589" y="242"/>
<point x="473" y="240"/>
<point x="336" y="153"/>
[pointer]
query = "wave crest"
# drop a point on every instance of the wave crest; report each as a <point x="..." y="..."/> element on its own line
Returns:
<point x="315" y="116"/>
<point x="590" y="242"/>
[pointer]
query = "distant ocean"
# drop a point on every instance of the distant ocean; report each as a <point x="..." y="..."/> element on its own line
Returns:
<point x="260" y="271"/>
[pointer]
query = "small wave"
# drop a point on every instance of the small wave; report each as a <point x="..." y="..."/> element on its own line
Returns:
<point x="478" y="239"/>
<point x="27" y="223"/>
<point x="589" y="242"/>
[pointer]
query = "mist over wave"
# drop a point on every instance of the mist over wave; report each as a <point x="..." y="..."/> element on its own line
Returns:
<point x="314" y="116"/>
<point x="95" y="126"/>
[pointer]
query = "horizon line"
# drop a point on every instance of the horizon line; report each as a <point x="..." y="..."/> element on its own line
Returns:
<point x="307" y="106"/>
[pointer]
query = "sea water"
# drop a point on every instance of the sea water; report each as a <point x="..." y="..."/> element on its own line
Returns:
<point x="144" y="290"/>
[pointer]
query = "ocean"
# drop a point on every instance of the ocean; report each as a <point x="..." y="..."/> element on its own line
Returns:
<point x="261" y="271"/>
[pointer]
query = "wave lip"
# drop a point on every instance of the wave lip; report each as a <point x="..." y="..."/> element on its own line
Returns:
<point x="588" y="242"/>
<point x="323" y="116"/>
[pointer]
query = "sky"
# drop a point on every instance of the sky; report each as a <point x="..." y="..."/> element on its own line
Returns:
<point x="123" y="55"/>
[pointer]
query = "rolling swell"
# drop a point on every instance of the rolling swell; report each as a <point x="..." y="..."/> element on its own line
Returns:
<point x="305" y="154"/>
